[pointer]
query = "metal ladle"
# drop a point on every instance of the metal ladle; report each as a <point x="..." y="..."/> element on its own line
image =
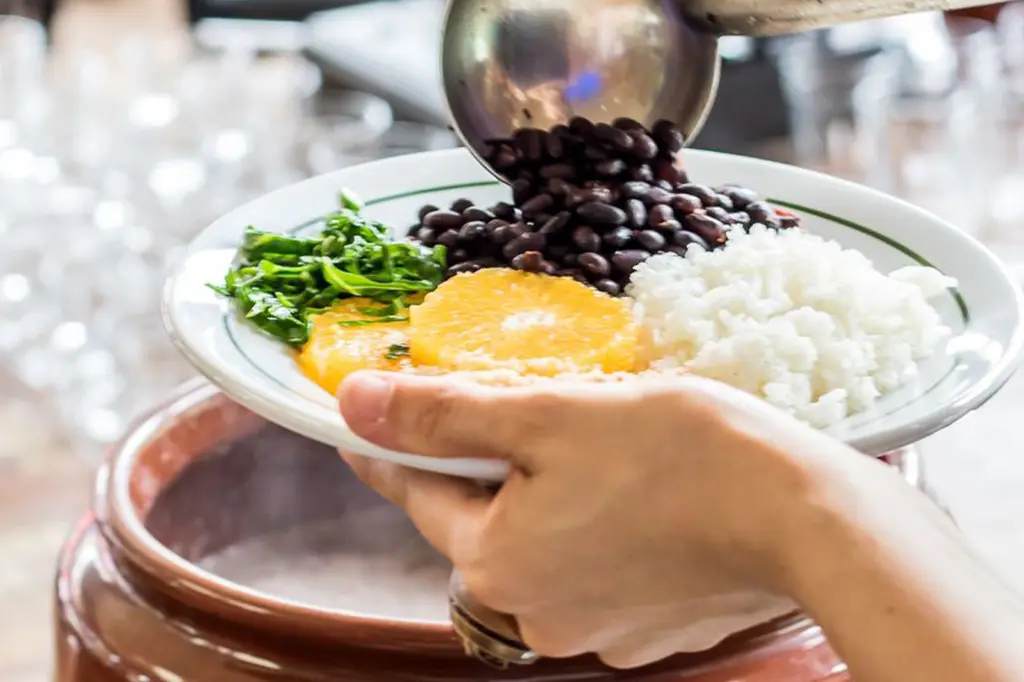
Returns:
<point x="511" y="64"/>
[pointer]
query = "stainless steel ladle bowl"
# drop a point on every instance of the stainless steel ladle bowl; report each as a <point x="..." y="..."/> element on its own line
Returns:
<point x="511" y="64"/>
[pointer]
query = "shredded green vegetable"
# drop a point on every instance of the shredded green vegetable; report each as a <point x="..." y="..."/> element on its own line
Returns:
<point x="279" y="282"/>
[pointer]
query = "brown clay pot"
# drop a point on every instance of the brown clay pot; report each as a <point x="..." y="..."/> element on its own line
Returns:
<point x="200" y="475"/>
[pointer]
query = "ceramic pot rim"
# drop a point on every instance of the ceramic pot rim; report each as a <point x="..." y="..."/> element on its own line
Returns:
<point x="202" y="589"/>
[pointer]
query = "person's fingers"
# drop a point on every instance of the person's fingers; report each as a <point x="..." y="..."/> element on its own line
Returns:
<point x="448" y="512"/>
<point x="440" y="418"/>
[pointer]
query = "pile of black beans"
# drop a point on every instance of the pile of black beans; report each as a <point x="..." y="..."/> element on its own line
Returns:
<point x="591" y="201"/>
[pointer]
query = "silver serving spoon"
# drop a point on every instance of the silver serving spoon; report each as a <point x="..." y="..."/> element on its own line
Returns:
<point x="511" y="64"/>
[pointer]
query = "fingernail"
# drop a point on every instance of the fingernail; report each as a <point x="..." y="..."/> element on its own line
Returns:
<point x="365" y="398"/>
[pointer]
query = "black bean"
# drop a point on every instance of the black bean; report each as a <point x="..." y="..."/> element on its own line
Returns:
<point x="478" y="213"/>
<point x="472" y="230"/>
<point x="651" y="240"/>
<point x="617" y="238"/>
<point x="665" y="185"/>
<point x="635" y="189"/>
<point x="608" y="286"/>
<point x="460" y="205"/>
<point x="669" y="227"/>
<point x="683" y="239"/>
<point x="443" y="220"/>
<point x="601" y="214"/>
<point x="424" y="210"/>
<point x="644" y="148"/>
<point x="707" y="196"/>
<point x="466" y="266"/>
<point x="425" y="236"/>
<point x="581" y="126"/>
<point x="529" y="261"/>
<point x="668" y="136"/>
<point x="643" y="173"/>
<point x="538" y="204"/>
<point x="740" y="196"/>
<point x="627" y="124"/>
<point x="660" y="215"/>
<point x="594" y="265"/>
<point x="709" y="229"/>
<point x="739" y="218"/>
<point x="684" y="204"/>
<point x="718" y="213"/>
<point x="530" y="142"/>
<point x="594" y="152"/>
<point x="521" y="190"/>
<point x="504" y="158"/>
<point x="759" y="211"/>
<point x="555" y="223"/>
<point x="636" y="213"/>
<point x="548" y="268"/>
<point x="494" y="225"/>
<point x="586" y="239"/>
<point x="558" y="187"/>
<point x="558" y="170"/>
<point x="626" y="261"/>
<point x="503" y="234"/>
<point x="538" y="219"/>
<point x="448" y="238"/>
<point x="617" y="138"/>
<point x="598" y="193"/>
<point x="570" y="260"/>
<point x="554" y="145"/>
<point x="724" y="201"/>
<point x="666" y="171"/>
<point x="788" y="221"/>
<point x="531" y="241"/>
<point x="658" y="195"/>
<point x="610" y="167"/>
<point x="505" y="211"/>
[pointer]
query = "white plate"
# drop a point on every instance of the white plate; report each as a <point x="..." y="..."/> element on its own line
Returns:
<point x="984" y="312"/>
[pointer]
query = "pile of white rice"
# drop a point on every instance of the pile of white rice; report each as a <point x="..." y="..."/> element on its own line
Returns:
<point x="814" y="329"/>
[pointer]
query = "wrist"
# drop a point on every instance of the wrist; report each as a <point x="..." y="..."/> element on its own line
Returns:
<point x="845" y="505"/>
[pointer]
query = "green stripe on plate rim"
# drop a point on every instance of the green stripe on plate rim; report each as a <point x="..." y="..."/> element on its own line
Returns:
<point x="910" y="253"/>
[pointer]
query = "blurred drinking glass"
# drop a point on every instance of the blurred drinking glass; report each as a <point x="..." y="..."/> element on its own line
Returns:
<point x="837" y="100"/>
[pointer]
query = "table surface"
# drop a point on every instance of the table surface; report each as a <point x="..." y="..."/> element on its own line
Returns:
<point x="976" y="465"/>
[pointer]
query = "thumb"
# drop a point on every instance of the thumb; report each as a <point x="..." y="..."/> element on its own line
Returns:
<point x="434" y="416"/>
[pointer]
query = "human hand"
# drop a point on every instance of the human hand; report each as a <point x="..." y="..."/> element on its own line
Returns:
<point x="639" y="519"/>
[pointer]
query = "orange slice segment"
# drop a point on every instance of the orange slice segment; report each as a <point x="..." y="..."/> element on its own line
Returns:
<point x="535" y="324"/>
<point x="345" y="339"/>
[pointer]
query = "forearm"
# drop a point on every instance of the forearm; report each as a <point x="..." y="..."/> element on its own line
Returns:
<point x="897" y="592"/>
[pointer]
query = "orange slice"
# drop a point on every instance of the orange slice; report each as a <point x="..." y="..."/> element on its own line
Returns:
<point x="335" y="350"/>
<point x="535" y="324"/>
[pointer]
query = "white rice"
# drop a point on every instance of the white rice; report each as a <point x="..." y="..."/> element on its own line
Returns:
<point x="814" y="329"/>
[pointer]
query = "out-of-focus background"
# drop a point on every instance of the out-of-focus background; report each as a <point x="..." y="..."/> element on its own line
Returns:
<point x="126" y="126"/>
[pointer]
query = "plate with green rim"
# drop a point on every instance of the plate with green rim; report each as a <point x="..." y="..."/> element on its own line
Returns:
<point x="984" y="311"/>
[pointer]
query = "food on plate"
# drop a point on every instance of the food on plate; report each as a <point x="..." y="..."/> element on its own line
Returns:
<point x="280" y="281"/>
<point x="531" y="323"/>
<point x="591" y="202"/>
<point x="807" y="325"/>
<point x="354" y="334"/>
<point x="608" y="265"/>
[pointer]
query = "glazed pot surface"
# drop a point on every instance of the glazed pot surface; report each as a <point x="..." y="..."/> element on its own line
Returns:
<point x="224" y="549"/>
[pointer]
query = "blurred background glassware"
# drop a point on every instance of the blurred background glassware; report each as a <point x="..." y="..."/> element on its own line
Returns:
<point x="837" y="94"/>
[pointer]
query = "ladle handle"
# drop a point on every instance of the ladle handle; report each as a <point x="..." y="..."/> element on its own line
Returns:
<point x="778" y="17"/>
<point x="486" y="635"/>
